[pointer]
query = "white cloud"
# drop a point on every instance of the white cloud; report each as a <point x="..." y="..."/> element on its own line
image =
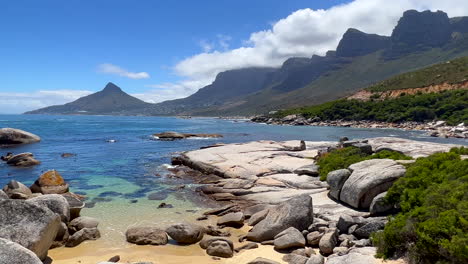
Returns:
<point x="116" y="70"/>
<point x="302" y="34"/>
<point x="13" y="103"/>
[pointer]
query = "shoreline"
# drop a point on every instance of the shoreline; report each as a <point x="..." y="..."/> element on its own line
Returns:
<point x="433" y="129"/>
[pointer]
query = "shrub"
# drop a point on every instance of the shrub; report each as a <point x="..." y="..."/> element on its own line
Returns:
<point x="432" y="226"/>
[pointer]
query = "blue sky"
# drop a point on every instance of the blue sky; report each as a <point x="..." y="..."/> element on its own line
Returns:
<point x="52" y="52"/>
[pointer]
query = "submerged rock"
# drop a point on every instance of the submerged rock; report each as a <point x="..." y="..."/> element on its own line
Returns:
<point x="14" y="253"/>
<point x="146" y="236"/>
<point x="12" y="136"/>
<point x="22" y="160"/>
<point x="175" y="135"/>
<point x="29" y="225"/>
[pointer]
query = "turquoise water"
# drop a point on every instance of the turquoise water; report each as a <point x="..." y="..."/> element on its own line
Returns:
<point x="132" y="167"/>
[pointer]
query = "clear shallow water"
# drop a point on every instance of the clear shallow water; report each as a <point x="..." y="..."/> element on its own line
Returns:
<point x="117" y="177"/>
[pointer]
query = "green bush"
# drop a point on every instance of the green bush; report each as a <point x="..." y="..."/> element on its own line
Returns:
<point x="451" y="106"/>
<point x="432" y="226"/>
<point x="339" y="159"/>
<point x="344" y="157"/>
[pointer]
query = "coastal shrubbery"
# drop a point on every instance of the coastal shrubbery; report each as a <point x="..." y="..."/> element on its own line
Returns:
<point x="432" y="226"/>
<point x="344" y="157"/>
<point x="451" y="106"/>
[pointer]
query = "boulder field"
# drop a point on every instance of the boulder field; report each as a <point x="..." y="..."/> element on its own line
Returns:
<point x="274" y="188"/>
<point x="33" y="220"/>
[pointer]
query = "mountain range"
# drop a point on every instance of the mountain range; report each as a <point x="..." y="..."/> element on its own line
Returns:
<point x="419" y="39"/>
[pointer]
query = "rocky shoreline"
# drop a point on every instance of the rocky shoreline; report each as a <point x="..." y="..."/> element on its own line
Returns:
<point x="434" y="129"/>
<point x="274" y="188"/>
<point x="268" y="191"/>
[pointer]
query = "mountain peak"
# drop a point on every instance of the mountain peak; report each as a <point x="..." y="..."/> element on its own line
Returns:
<point x="110" y="87"/>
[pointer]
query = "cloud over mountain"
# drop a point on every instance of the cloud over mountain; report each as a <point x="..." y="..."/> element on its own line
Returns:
<point x="301" y="34"/>
<point x="116" y="70"/>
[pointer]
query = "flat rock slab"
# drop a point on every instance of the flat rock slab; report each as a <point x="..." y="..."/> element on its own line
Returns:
<point x="247" y="160"/>
<point x="412" y="148"/>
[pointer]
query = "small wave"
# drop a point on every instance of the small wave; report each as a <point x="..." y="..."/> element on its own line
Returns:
<point x="167" y="166"/>
<point x="199" y="138"/>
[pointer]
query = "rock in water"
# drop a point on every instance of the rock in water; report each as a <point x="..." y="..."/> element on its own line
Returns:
<point x="29" y="225"/>
<point x="56" y="203"/>
<point x="289" y="238"/>
<point x="83" y="222"/>
<point x="50" y="182"/>
<point x="83" y="235"/>
<point x="17" y="190"/>
<point x="368" y="179"/>
<point x="185" y="233"/>
<point x="23" y="160"/>
<point x="11" y="136"/>
<point x="146" y="236"/>
<point x="14" y="253"/>
<point x="296" y="212"/>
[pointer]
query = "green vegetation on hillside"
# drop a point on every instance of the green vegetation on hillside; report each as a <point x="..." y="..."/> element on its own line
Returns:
<point x="451" y="106"/>
<point x="344" y="157"/>
<point x="432" y="226"/>
<point x="455" y="71"/>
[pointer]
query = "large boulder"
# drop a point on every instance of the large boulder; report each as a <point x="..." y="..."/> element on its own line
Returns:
<point x="368" y="179"/>
<point x="14" y="253"/>
<point x="29" y="225"/>
<point x="335" y="180"/>
<point x="56" y="203"/>
<point x="218" y="247"/>
<point x="11" y="136"/>
<point x="50" y="182"/>
<point x="185" y="233"/>
<point x="17" y="190"/>
<point x="83" y="235"/>
<point x="22" y="160"/>
<point x="83" y="222"/>
<point x="296" y="212"/>
<point x="289" y="238"/>
<point x="146" y="236"/>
